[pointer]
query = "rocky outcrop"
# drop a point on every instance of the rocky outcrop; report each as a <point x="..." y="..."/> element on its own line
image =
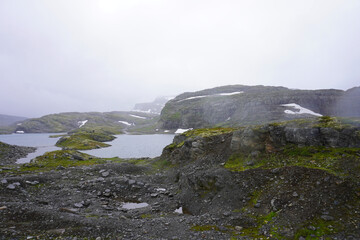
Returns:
<point x="10" y="153"/>
<point x="279" y="179"/>
<point x="243" y="105"/>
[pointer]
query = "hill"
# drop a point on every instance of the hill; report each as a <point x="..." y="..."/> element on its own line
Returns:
<point x="7" y="120"/>
<point x="113" y="122"/>
<point x="239" y="105"/>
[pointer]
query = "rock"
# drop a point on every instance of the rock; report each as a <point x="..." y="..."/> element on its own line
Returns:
<point x="78" y="205"/>
<point x="60" y="167"/>
<point x="3" y="207"/>
<point x="295" y="194"/>
<point x="4" y="181"/>
<point x="257" y="205"/>
<point x="69" y="210"/>
<point x="105" y="174"/>
<point x="154" y="195"/>
<point x="238" y="228"/>
<point x="11" y="186"/>
<point x="16" y="183"/>
<point x="327" y="218"/>
<point x="132" y="182"/>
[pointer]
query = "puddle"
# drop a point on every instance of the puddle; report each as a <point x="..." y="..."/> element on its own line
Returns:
<point x="130" y="205"/>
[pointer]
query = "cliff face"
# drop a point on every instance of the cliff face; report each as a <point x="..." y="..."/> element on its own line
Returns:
<point x="243" y="105"/>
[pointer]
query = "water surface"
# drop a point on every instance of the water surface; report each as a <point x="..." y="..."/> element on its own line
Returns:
<point x="134" y="146"/>
<point x="39" y="140"/>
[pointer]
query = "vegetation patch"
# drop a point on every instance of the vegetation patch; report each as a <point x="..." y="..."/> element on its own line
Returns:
<point x="317" y="228"/>
<point x="343" y="162"/>
<point x="62" y="158"/>
<point x="85" y="140"/>
<point x="208" y="132"/>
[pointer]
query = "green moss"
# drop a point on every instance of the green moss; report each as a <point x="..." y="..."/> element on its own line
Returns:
<point x="85" y="140"/>
<point x="343" y="162"/>
<point x="65" y="158"/>
<point x="207" y="132"/>
<point x="172" y="146"/>
<point x="319" y="228"/>
<point x="146" y="216"/>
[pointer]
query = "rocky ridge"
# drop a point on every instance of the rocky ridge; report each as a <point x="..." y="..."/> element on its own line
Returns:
<point x="239" y="105"/>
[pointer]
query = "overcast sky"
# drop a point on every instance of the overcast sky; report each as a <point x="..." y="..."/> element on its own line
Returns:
<point x="107" y="55"/>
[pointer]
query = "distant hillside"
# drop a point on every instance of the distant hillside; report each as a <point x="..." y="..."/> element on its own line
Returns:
<point x="7" y="120"/>
<point x="114" y="122"/>
<point x="154" y="107"/>
<point x="239" y="105"/>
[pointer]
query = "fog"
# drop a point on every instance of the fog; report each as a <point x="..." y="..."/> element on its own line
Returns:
<point x="107" y="55"/>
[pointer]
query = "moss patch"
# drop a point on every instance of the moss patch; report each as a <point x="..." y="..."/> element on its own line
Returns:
<point x="207" y="132"/>
<point x="343" y="162"/>
<point x="85" y="140"/>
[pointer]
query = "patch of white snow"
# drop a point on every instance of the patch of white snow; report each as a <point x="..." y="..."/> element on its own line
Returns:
<point x="180" y="130"/>
<point x="229" y="94"/>
<point x="135" y="116"/>
<point x="21" y="132"/>
<point x="218" y="94"/>
<point x="166" y="131"/>
<point x="179" y="210"/>
<point x="82" y="123"/>
<point x="300" y="108"/>
<point x="127" y="123"/>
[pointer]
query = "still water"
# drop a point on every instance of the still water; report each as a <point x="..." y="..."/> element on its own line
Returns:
<point x="134" y="146"/>
<point x="124" y="146"/>
<point x="39" y="140"/>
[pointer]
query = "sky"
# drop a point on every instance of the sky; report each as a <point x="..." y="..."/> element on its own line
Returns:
<point x="106" y="55"/>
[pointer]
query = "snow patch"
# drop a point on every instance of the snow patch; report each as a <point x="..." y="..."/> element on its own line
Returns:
<point x="203" y="96"/>
<point x="160" y="189"/>
<point x="20" y="132"/>
<point x="127" y="123"/>
<point x="180" y="130"/>
<point x="229" y="94"/>
<point x="82" y="123"/>
<point x="179" y="210"/>
<point x="135" y="116"/>
<point x="166" y="131"/>
<point x="300" y="108"/>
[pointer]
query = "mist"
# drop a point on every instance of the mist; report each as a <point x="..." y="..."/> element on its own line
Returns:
<point x="108" y="55"/>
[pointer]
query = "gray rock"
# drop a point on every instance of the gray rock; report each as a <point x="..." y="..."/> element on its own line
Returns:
<point x="105" y="174"/>
<point x="11" y="186"/>
<point x="295" y="194"/>
<point x="4" y="181"/>
<point x="78" y="205"/>
<point x="257" y="205"/>
<point x="132" y="182"/>
<point x="327" y="218"/>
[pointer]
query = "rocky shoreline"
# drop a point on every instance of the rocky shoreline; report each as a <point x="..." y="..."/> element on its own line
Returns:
<point x="208" y="184"/>
<point x="9" y="154"/>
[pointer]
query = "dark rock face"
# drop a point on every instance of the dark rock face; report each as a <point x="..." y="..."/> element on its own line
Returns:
<point x="254" y="105"/>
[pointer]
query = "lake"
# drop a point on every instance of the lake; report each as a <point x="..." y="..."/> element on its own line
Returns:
<point x="134" y="146"/>
<point x="39" y="140"/>
<point x="124" y="146"/>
